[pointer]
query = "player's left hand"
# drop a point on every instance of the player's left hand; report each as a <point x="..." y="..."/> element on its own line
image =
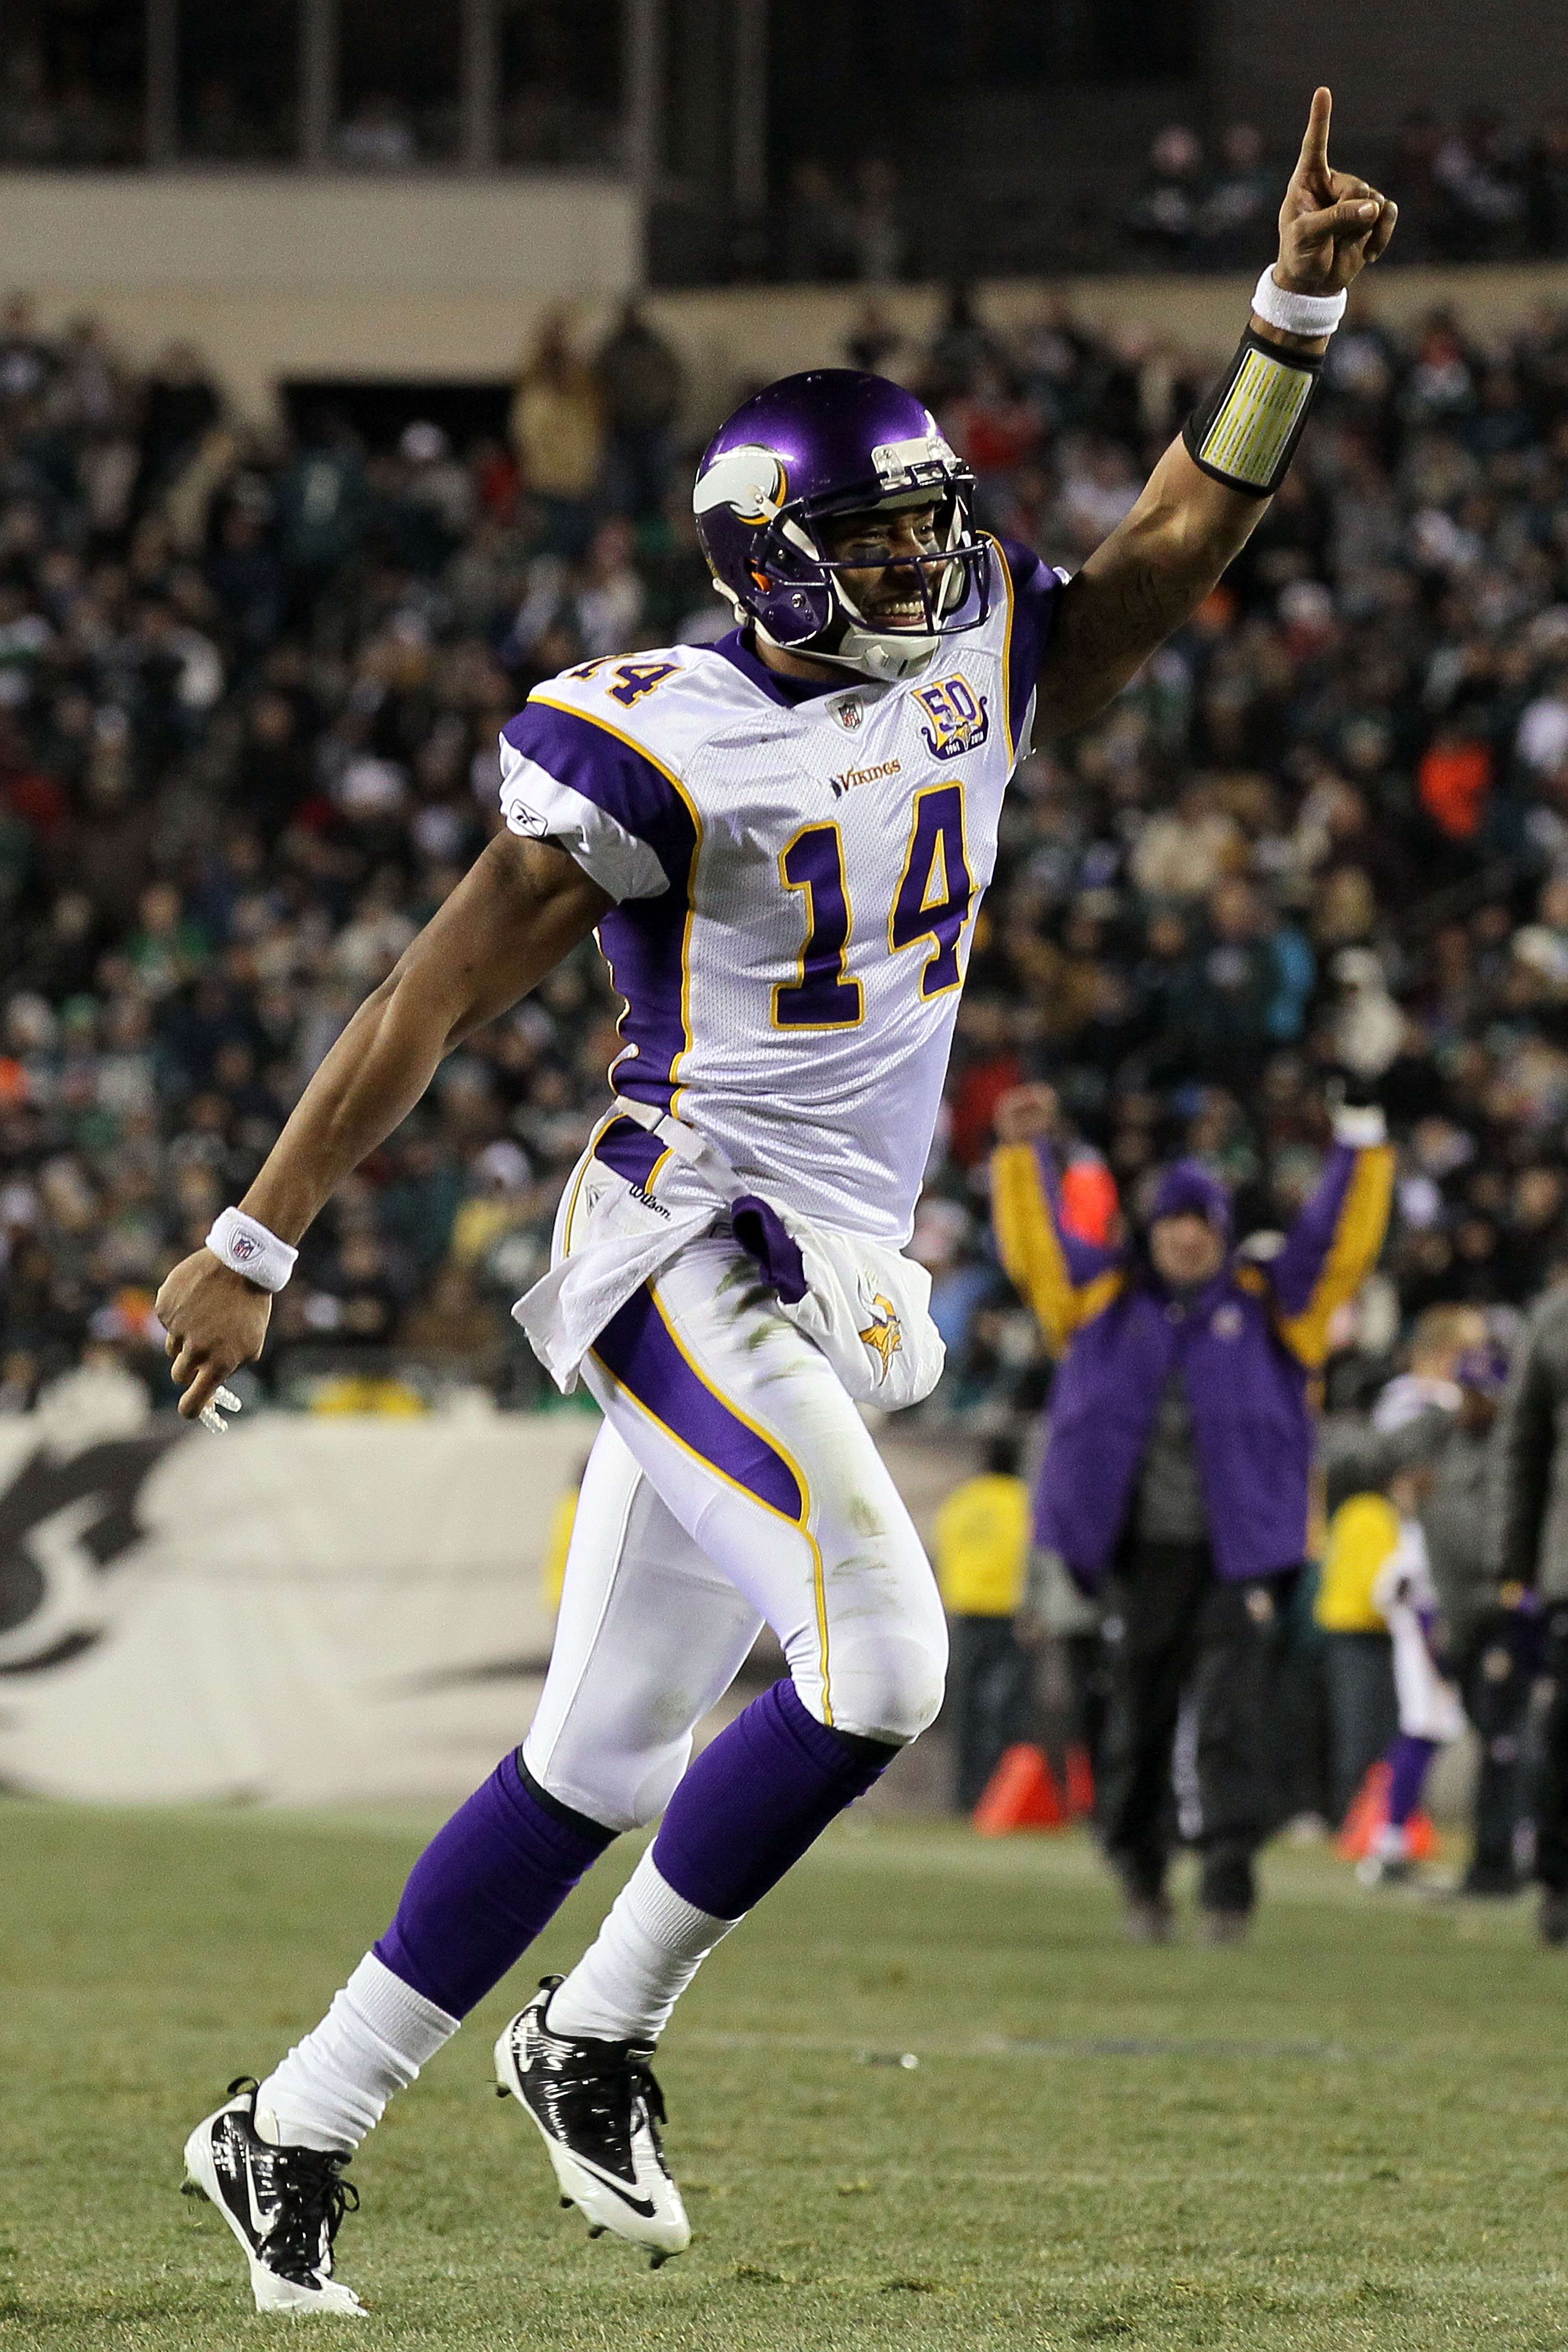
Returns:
<point x="215" y="1320"/>
<point x="1331" y="224"/>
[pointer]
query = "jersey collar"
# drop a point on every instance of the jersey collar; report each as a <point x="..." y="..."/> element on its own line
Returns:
<point x="738" y="651"/>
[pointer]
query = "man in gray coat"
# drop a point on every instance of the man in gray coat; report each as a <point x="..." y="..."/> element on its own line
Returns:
<point x="1528" y="1555"/>
<point x="1492" y="1631"/>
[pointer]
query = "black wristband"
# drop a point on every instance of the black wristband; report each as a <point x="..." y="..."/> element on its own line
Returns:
<point x="1245" y="433"/>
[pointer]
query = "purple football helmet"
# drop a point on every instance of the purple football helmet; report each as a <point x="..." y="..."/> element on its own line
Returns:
<point x="836" y="442"/>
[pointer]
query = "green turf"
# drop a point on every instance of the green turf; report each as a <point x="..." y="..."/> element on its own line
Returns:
<point x="1354" y="2134"/>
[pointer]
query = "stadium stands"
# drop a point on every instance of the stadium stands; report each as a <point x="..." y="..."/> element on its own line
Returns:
<point x="249" y="697"/>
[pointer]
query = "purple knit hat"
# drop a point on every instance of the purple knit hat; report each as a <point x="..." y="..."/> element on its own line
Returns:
<point x="1189" y="1189"/>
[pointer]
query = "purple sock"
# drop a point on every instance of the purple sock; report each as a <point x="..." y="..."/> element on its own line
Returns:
<point x="753" y="1802"/>
<point x="1407" y="1761"/>
<point x="484" y="1887"/>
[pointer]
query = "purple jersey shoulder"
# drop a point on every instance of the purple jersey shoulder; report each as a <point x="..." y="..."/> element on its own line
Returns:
<point x="604" y="768"/>
<point x="1036" y="586"/>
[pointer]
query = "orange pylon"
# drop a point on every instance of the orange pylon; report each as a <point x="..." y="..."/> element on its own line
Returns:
<point x="1368" y="1816"/>
<point x="1021" y="1795"/>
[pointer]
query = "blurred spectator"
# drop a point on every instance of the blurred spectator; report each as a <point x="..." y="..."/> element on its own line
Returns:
<point x="27" y="363"/>
<point x="876" y="229"/>
<point x="981" y="1559"/>
<point x="873" y="341"/>
<point x="1546" y="185"/>
<point x="558" y="434"/>
<point x="1475" y="172"/>
<point x="1493" y="1644"/>
<point x="819" y="228"/>
<point x="1413" y="183"/>
<point x="1430" y="1715"/>
<point x="1362" y="1537"/>
<point x="179" y="405"/>
<point x="1163" y="218"/>
<point x="1176" y="1467"/>
<point x="1442" y="1337"/>
<point x="1235" y="223"/>
<point x="1528" y="1555"/>
<point x="455" y="1329"/>
<point x="322" y="502"/>
<point x="377" y="135"/>
<point x="641" y="382"/>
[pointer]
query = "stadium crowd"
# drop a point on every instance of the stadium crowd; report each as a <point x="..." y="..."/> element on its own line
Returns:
<point x="250" y="693"/>
<point x="1475" y="189"/>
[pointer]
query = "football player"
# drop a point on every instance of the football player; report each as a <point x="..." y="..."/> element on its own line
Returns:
<point x="782" y="842"/>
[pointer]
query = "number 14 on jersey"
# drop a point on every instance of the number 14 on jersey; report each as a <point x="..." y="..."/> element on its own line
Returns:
<point x="931" y="903"/>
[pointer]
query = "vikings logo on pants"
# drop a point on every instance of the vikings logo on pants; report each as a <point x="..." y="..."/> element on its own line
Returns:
<point x="884" y="1334"/>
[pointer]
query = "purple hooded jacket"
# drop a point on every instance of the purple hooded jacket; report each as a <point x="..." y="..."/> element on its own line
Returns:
<point x="1247" y="1344"/>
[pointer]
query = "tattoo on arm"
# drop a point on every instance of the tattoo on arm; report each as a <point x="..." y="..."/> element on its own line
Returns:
<point x="1118" y="617"/>
<point x="1139" y="584"/>
<point x="1106" y="630"/>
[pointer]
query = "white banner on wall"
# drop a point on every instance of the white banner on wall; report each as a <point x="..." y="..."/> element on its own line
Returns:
<point x="302" y="1611"/>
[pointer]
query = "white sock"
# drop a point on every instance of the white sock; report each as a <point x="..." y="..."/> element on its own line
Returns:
<point x="333" y="2086"/>
<point x="641" y="1961"/>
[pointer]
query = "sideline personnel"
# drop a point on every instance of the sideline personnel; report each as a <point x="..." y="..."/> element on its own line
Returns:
<point x="981" y="1560"/>
<point x="1528" y="1555"/>
<point x="1176" y="1471"/>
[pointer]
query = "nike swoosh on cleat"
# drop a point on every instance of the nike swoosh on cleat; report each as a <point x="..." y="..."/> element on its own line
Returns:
<point x="642" y="2205"/>
<point x="239" y="2197"/>
<point x="258" y="2221"/>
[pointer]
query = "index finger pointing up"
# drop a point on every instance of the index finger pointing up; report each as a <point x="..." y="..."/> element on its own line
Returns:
<point x="1315" y="139"/>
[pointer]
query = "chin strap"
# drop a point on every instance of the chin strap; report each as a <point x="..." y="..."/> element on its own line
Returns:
<point x="883" y="659"/>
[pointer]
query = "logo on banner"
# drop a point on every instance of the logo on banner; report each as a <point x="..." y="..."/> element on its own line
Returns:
<point x="63" y="1524"/>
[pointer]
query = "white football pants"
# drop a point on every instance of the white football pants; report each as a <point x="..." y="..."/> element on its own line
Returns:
<point x="733" y="1482"/>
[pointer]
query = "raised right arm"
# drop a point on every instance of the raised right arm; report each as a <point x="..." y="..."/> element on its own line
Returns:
<point x="522" y="906"/>
<point x="1064" y="1278"/>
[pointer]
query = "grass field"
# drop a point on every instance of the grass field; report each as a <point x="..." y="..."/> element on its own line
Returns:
<point x="1355" y="2132"/>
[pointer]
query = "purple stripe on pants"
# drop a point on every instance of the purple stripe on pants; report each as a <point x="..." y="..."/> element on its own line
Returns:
<point x="1408" y="1759"/>
<point x="638" y="1348"/>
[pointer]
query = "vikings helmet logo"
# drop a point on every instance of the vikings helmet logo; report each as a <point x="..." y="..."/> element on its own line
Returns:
<point x="751" y="481"/>
<point x="884" y="1334"/>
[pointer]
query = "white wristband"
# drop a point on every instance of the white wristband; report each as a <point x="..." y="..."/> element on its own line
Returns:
<point x="244" y="1245"/>
<point x="1296" y="314"/>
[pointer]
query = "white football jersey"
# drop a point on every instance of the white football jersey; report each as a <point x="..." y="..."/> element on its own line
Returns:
<point x="797" y="869"/>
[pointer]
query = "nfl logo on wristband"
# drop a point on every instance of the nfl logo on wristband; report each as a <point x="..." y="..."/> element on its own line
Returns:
<point x="245" y="1245"/>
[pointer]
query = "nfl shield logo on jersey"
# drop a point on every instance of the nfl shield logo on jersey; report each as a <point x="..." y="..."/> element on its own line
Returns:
<point x="848" y="714"/>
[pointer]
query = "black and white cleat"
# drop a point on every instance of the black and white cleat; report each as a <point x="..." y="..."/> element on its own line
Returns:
<point x="598" y="2110"/>
<point x="283" y="2204"/>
